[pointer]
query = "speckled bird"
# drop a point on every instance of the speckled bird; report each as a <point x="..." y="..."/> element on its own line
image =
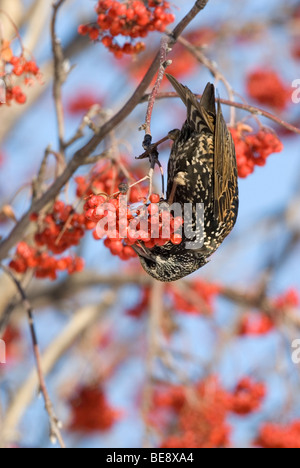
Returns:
<point x="202" y="169"/>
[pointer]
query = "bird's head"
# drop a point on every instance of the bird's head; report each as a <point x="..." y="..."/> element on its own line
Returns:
<point x="166" y="266"/>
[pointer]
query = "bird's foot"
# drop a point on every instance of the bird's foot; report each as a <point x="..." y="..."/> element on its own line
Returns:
<point x="152" y="154"/>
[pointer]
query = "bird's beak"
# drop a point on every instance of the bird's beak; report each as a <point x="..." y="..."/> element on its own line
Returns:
<point x="142" y="252"/>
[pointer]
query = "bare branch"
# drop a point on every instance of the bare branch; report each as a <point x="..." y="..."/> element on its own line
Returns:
<point x="55" y="433"/>
<point x="161" y="72"/>
<point x="238" y="105"/>
<point x="60" y="75"/>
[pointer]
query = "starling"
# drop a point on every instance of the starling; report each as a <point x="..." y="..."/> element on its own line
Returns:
<point x="202" y="169"/>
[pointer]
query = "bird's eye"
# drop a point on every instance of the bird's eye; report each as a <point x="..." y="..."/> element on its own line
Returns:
<point x="151" y="264"/>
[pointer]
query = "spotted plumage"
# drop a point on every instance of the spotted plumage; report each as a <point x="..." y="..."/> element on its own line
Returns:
<point x="202" y="170"/>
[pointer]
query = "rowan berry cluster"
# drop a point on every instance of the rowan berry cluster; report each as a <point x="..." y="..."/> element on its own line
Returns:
<point x="12" y="338"/>
<point x="57" y="232"/>
<point x="13" y="67"/>
<point x="267" y="88"/>
<point x="142" y="306"/>
<point x="288" y="300"/>
<point x="112" y="216"/>
<point x="61" y="229"/>
<point x="90" y="410"/>
<point x="197" y="417"/>
<point x="253" y="149"/>
<point x="247" y="397"/>
<point x="279" y="436"/>
<point x="82" y="101"/>
<point x="126" y="226"/>
<point x="106" y="178"/>
<point x="130" y="20"/>
<point x="195" y="422"/>
<point x="44" y="265"/>
<point x="255" y="324"/>
<point x="260" y="324"/>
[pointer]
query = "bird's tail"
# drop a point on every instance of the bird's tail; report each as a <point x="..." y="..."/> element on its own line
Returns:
<point x="200" y="114"/>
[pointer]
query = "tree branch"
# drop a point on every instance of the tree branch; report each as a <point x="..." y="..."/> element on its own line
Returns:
<point x="59" y="76"/>
<point x="238" y="105"/>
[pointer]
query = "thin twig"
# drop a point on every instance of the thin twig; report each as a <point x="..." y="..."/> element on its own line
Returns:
<point x="153" y="153"/>
<point x="55" y="433"/>
<point x="60" y="75"/>
<point x="96" y="158"/>
<point x="37" y="185"/>
<point x="86" y="122"/>
<point x="248" y="108"/>
<point x="164" y="50"/>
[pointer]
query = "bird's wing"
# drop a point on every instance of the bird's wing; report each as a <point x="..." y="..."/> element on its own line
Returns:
<point x="225" y="169"/>
<point x="200" y="115"/>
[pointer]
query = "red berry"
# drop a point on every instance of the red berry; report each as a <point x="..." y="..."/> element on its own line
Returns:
<point x="154" y="198"/>
<point x="176" y="239"/>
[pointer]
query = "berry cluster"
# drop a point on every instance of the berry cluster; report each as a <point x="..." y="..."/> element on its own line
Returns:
<point x="106" y="178"/>
<point x="200" y="299"/>
<point x="131" y="19"/>
<point x="260" y="324"/>
<point x="82" y="102"/>
<point x="288" y="300"/>
<point x="12" y="338"/>
<point x="247" y="397"/>
<point x="267" y="88"/>
<point x="255" y="324"/>
<point x="44" y="265"/>
<point x="62" y="228"/>
<point x="197" y="417"/>
<point x="90" y="410"/>
<point x="57" y="232"/>
<point x="12" y="67"/>
<point x="125" y="226"/>
<point x="142" y="306"/>
<point x="279" y="437"/>
<point x="253" y="149"/>
<point x="195" y="422"/>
